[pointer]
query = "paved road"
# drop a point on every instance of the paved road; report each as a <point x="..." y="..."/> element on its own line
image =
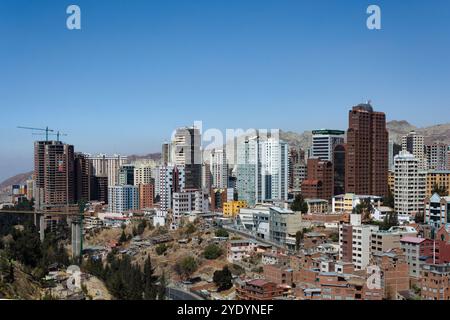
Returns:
<point x="250" y="235"/>
<point x="179" y="294"/>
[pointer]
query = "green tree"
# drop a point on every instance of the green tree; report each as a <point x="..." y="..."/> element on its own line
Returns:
<point x="123" y="237"/>
<point x="299" y="204"/>
<point x="223" y="279"/>
<point x="364" y="208"/>
<point x="212" y="252"/>
<point x="190" y="228"/>
<point x="162" y="287"/>
<point x="161" y="249"/>
<point x="186" y="266"/>
<point x="222" y="233"/>
<point x="298" y="239"/>
<point x="150" y="287"/>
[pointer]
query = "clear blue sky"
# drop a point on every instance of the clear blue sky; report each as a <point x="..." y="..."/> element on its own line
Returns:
<point x="137" y="69"/>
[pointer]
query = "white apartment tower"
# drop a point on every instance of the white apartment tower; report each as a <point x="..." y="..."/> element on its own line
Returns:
<point x="219" y="168"/>
<point x="414" y="144"/>
<point x="103" y="165"/>
<point x="170" y="180"/>
<point x="262" y="170"/>
<point x="143" y="174"/>
<point x="409" y="184"/>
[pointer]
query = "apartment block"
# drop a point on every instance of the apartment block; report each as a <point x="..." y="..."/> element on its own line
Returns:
<point x="123" y="198"/>
<point x="232" y="208"/>
<point x="278" y="274"/>
<point x="409" y="184"/>
<point x="259" y="289"/>
<point x="146" y="195"/>
<point x="435" y="282"/>
<point x="324" y="141"/>
<point x="439" y="178"/>
<point x="319" y="183"/>
<point x="437" y="211"/>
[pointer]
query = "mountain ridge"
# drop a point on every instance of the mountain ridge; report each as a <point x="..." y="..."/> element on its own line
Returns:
<point x="439" y="133"/>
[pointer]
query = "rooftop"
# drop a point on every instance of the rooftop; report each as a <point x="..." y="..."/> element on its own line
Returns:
<point x="412" y="240"/>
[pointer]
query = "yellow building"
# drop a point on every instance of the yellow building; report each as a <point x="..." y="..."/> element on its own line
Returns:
<point x="440" y="178"/>
<point x="231" y="208"/>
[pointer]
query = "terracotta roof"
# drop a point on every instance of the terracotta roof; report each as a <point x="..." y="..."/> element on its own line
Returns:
<point x="412" y="239"/>
<point x="258" y="282"/>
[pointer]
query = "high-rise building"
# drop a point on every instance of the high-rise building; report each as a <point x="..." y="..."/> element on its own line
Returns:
<point x="436" y="155"/>
<point x="99" y="188"/>
<point x="123" y="198"/>
<point x="39" y="163"/>
<point x="104" y="165"/>
<point x="186" y="151"/>
<point x="143" y="174"/>
<point x="54" y="173"/>
<point x="126" y="175"/>
<point x="274" y="169"/>
<point x="299" y="172"/>
<point x="82" y="178"/>
<point x="323" y="143"/>
<point x="448" y="158"/>
<point x="262" y="170"/>
<point x="219" y="168"/>
<point x="339" y="169"/>
<point x="248" y="170"/>
<point x="394" y="149"/>
<point x="146" y="195"/>
<point x="366" y="169"/>
<point x="409" y="184"/>
<point x="207" y="178"/>
<point x="414" y="144"/>
<point x="166" y="153"/>
<point x="297" y="169"/>
<point x="171" y="179"/>
<point x="319" y="183"/>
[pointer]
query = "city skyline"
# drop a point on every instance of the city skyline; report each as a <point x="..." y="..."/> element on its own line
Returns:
<point x="166" y="65"/>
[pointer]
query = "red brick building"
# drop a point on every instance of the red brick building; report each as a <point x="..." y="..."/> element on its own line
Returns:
<point x="259" y="289"/>
<point x="394" y="270"/>
<point x="435" y="282"/>
<point x="278" y="274"/>
<point x="319" y="183"/>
